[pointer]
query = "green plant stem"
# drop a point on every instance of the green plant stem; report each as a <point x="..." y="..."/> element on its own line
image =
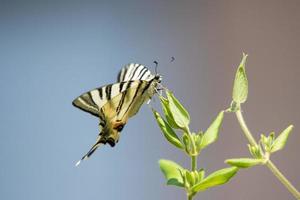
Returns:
<point x="269" y="163"/>
<point x="283" y="180"/>
<point x="194" y="168"/>
<point x="187" y="130"/>
<point x="244" y="127"/>
<point x="194" y="163"/>
<point x="193" y="158"/>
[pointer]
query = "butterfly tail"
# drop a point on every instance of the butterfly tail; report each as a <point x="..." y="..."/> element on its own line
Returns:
<point x="91" y="151"/>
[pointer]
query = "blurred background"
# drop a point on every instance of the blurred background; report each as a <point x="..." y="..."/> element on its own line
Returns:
<point x="52" y="51"/>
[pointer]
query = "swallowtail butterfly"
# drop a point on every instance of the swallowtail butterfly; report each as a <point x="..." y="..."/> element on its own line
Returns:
<point x="114" y="104"/>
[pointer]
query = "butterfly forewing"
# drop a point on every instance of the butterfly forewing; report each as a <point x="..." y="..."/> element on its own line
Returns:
<point x="93" y="100"/>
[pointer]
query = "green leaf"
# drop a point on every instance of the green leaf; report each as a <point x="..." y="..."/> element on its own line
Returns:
<point x="190" y="178"/>
<point x="179" y="114"/>
<point x="280" y="141"/>
<point x="198" y="141"/>
<point x="168" y="132"/>
<point x="256" y="151"/>
<point x="267" y="142"/>
<point x="240" y="86"/>
<point x="271" y="137"/>
<point x="201" y="174"/>
<point x="244" y="162"/>
<point x="167" y="112"/>
<point x="263" y="139"/>
<point x="211" y="133"/>
<point x="195" y="176"/>
<point x="172" y="172"/>
<point x="217" y="178"/>
<point x="187" y="143"/>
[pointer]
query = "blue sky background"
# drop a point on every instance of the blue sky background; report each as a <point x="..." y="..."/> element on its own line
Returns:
<point x="52" y="51"/>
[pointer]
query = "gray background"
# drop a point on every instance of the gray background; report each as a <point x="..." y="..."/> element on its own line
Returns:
<point x="52" y="51"/>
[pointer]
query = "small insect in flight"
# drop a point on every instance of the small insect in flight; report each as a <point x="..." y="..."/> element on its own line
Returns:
<point x="115" y="103"/>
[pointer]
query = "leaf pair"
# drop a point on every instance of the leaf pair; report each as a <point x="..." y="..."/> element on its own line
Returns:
<point x="167" y="130"/>
<point x="176" y="115"/>
<point x="194" y="181"/>
<point x="272" y="144"/>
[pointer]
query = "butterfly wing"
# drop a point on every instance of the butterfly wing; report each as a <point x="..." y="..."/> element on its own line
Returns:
<point x="93" y="100"/>
<point x="134" y="71"/>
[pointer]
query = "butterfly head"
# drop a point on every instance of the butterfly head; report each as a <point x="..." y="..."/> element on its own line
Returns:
<point x="158" y="78"/>
<point x="111" y="134"/>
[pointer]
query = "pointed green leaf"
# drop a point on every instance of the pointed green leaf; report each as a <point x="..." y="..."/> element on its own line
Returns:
<point x="198" y="141"/>
<point x="179" y="114"/>
<point x="280" y="141"/>
<point x="240" y="86"/>
<point x="211" y="133"/>
<point x="256" y="151"/>
<point x="168" y="132"/>
<point x="217" y="178"/>
<point x="167" y="112"/>
<point x="244" y="162"/>
<point x="271" y="137"/>
<point x="190" y="178"/>
<point x="264" y="141"/>
<point x="195" y="176"/>
<point x="187" y="143"/>
<point x="201" y="174"/>
<point x="172" y="172"/>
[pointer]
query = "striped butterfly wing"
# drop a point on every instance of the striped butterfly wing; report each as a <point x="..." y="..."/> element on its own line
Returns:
<point x="93" y="100"/>
<point x="134" y="71"/>
<point x="128" y="103"/>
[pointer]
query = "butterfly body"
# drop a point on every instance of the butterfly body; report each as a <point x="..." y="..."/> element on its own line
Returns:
<point x="114" y="104"/>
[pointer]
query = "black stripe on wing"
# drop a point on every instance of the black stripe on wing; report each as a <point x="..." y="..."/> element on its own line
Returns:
<point x="134" y="71"/>
<point x="133" y="98"/>
<point x="125" y="101"/>
<point x="86" y="103"/>
<point x="119" y="107"/>
<point x="93" y="100"/>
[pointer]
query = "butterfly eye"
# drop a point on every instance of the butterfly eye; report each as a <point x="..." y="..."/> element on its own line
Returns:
<point x="119" y="128"/>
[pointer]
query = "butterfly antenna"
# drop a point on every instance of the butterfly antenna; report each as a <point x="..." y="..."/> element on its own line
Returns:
<point x="172" y="59"/>
<point x="156" y="64"/>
